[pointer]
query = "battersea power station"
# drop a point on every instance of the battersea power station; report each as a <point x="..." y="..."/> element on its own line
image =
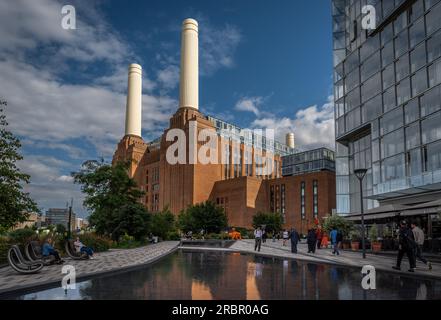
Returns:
<point x="200" y="158"/>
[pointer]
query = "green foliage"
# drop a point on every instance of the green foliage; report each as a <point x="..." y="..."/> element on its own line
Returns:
<point x="96" y="242"/>
<point x="21" y="236"/>
<point x="4" y="247"/>
<point x="163" y="223"/>
<point x="113" y="198"/>
<point x="339" y="223"/>
<point x="173" y="236"/>
<point x="355" y="234"/>
<point x="60" y="228"/>
<point x="272" y="221"/>
<point x="14" y="203"/>
<point x="203" y="216"/>
<point x="373" y="233"/>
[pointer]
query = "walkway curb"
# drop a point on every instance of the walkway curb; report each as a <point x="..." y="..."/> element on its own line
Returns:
<point x="26" y="289"/>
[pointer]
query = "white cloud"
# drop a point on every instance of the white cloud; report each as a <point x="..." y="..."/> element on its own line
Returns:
<point x="48" y="186"/>
<point x="72" y="151"/>
<point x="218" y="46"/>
<point x="37" y="58"/>
<point x="313" y="126"/>
<point x="169" y="77"/>
<point x="64" y="178"/>
<point x="249" y="104"/>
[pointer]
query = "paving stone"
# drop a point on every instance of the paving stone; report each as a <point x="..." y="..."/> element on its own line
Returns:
<point x="112" y="260"/>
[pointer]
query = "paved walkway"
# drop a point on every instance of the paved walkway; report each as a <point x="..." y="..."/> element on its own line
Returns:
<point x="105" y="262"/>
<point x="346" y="258"/>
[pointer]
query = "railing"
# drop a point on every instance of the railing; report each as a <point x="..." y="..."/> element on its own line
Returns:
<point x="424" y="179"/>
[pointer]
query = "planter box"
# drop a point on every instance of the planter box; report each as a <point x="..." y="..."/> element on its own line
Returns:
<point x="355" y="245"/>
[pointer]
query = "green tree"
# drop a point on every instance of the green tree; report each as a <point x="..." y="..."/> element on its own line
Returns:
<point x="14" y="203"/>
<point x="113" y="199"/>
<point x="339" y="223"/>
<point x="61" y="229"/>
<point x="163" y="223"/>
<point x="272" y="221"/>
<point x="203" y="216"/>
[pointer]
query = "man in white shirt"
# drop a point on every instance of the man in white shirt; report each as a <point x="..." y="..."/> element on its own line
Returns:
<point x="258" y="238"/>
<point x="418" y="235"/>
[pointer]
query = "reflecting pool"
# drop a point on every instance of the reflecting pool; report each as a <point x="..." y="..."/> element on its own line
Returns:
<point x="233" y="276"/>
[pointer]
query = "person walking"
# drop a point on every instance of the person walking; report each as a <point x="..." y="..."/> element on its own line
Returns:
<point x="406" y="245"/>
<point x="311" y="239"/>
<point x="264" y="236"/>
<point x="285" y="237"/>
<point x="319" y="235"/>
<point x="257" y="239"/>
<point x="334" y="241"/>
<point x="295" y="238"/>
<point x="418" y="235"/>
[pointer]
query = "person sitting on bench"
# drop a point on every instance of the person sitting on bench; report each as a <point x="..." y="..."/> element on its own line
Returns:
<point x="80" y="247"/>
<point x="48" y="250"/>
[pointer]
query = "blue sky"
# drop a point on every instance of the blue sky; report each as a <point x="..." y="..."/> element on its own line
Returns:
<point x="262" y="64"/>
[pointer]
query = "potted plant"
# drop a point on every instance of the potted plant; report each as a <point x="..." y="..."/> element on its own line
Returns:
<point x="355" y="239"/>
<point x="373" y="236"/>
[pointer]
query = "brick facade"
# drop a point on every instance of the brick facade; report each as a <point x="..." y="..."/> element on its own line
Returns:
<point x="240" y="192"/>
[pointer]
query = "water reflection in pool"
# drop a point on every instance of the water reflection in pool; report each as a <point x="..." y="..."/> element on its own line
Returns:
<point x="233" y="276"/>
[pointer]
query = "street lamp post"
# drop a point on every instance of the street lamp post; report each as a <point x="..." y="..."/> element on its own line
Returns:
<point x="360" y="174"/>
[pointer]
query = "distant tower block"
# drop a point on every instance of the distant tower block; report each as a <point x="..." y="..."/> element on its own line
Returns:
<point x="290" y="140"/>
<point x="189" y="81"/>
<point x="134" y="101"/>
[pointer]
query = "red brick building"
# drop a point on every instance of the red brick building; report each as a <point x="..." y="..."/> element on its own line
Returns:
<point x="246" y="174"/>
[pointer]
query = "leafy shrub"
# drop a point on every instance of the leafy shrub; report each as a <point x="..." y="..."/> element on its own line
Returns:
<point x="205" y="216"/>
<point x="4" y="247"/>
<point x="96" y="242"/>
<point x="272" y="221"/>
<point x="173" y="236"/>
<point x="22" y="236"/>
<point x="339" y="223"/>
<point x="163" y="223"/>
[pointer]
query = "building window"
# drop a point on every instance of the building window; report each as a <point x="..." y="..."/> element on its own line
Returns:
<point x="282" y="202"/>
<point x="227" y="161"/>
<point x="302" y="200"/>
<point x="315" y="198"/>
<point x="237" y="162"/>
<point x="272" y="198"/>
<point x="278" y="199"/>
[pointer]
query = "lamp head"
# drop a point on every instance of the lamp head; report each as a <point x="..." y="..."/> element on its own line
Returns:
<point x="360" y="173"/>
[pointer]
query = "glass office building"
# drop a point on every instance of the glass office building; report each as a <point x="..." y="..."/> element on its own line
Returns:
<point x="308" y="161"/>
<point x="387" y="102"/>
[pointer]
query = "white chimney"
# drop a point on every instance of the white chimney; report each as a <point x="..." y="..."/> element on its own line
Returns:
<point x="290" y="140"/>
<point x="189" y="81"/>
<point x="134" y="101"/>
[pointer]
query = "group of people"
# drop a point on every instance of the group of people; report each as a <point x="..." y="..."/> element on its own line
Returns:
<point x="410" y="242"/>
<point x="48" y="250"/>
<point x="315" y="239"/>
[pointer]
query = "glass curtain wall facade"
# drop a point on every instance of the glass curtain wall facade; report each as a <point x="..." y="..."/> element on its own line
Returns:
<point x="387" y="85"/>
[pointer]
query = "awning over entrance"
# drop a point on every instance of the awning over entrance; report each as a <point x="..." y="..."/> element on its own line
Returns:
<point x="386" y="211"/>
<point x="395" y="210"/>
<point x="432" y="207"/>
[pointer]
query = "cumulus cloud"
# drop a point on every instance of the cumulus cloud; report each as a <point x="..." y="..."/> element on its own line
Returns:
<point x="48" y="111"/>
<point x="169" y="77"/>
<point x="218" y="45"/>
<point x="313" y="126"/>
<point x="48" y="185"/>
<point x="249" y="104"/>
